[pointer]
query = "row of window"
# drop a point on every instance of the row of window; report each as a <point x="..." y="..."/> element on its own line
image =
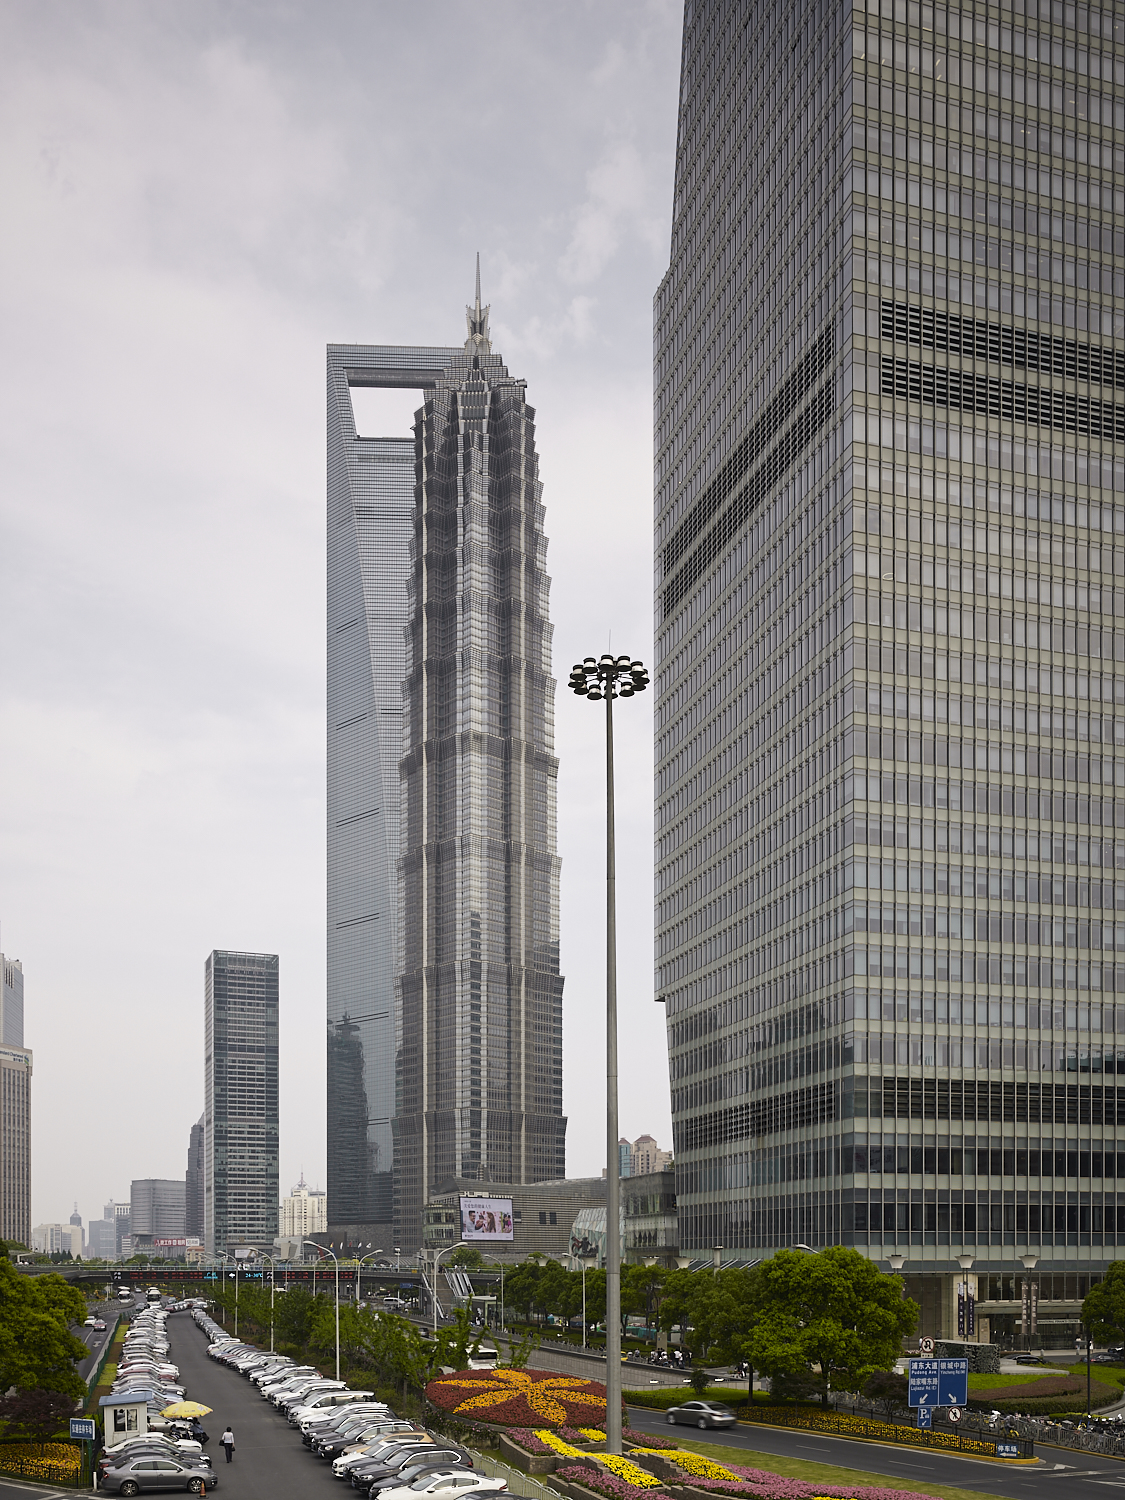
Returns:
<point x="1023" y="348"/>
<point x="955" y="282"/>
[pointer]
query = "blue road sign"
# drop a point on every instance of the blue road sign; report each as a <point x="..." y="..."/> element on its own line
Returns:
<point x="938" y="1382"/>
<point x="925" y="1416"/>
<point x="82" y="1427"/>
<point x="1007" y="1450"/>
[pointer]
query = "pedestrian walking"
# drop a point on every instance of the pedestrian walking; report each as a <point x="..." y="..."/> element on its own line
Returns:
<point x="227" y="1441"/>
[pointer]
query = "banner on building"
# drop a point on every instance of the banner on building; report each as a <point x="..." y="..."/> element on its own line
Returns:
<point x="487" y="1219"/>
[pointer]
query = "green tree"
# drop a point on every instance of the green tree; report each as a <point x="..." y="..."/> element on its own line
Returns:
<point x="467" y="1256"/>
<point x="551" y="1288"/>
<point x="1103" y="1311"/>
<point x="834" y="1309"/>
<point x="294" y="1311"/>
<point x="521" y="1286"/>
<point x="641" y="1290"/>
<point x="886" y="1389"/>
<point x="37" y="1349"/>
<point x="719" y="1310"/>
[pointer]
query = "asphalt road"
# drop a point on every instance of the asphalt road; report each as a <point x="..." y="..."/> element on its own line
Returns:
<point x="1057" y="1474"/>
<point x="94" y="1340"/>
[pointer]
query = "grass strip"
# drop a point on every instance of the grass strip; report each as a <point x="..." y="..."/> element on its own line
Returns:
<point x="800" y="1468"/>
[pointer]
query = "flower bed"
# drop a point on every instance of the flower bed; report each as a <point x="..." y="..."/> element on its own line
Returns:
<point x="692" y="1463"/>
<point x="556" y="1444"/>
<point x="51" y="1463"/>
<point x="649" y="1441"/>
<point x="519" y="1398"/>
<point x="759" y="1484"/>
<point x="602" y="1482"/>
<point x="529" y="1441"/>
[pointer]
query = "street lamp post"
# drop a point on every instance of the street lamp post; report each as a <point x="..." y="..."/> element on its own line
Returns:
<point x="585" y="1260"/>
<point x="358" y="1265"/>
<point x="263" y="1256"/>
<point x="1028" y="1300"/>
<point x="608" y="678"/>
<point x="433" y="1290"/>
<point x="324" y="1251"/>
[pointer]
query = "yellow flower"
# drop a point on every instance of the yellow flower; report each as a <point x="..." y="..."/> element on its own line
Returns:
<point x="539" y="1394"/>
<point x="630" y="1472"/>
<point x="558" y="1444"/>
<point x="691" y="1463"/>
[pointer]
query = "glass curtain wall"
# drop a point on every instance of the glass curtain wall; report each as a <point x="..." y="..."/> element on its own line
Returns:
<point x="890" y="535"/>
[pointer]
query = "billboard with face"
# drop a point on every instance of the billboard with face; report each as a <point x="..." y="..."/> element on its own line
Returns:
<point x="487" y="1219"/>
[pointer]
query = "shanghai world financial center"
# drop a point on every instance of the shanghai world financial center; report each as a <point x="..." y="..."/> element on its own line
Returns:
<point x="890" y="564"/>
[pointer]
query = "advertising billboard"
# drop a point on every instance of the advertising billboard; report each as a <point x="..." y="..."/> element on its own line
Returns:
<point x="487" y="1219"/>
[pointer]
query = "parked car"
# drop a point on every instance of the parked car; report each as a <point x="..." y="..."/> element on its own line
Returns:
<point x="448" y="1487"/>
<point x="702" y="1414"/>
<point x="136" y="1474"/>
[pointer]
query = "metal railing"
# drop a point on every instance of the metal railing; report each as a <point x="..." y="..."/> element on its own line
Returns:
<point x="519" y="1483"/>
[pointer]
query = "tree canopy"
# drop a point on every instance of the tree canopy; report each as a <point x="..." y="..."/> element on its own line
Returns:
<point x="834" y="1309"/>
<point x="1103" y="1311"/>
<point x="37" y="1349"/>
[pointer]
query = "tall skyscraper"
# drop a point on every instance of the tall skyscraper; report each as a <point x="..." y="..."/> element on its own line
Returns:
<point x="15" y="1108"/>
<point x="455" y="1070"/>
<point x="193" y="1181"/>
<point x="888" y="604"/>
<point x="240" y="1114"/>
<point x="370" y="530"/>
<point x="479" y="1084"/>
<point x="11" y="1002"/>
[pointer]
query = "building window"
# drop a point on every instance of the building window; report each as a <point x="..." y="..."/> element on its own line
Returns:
<point x="554" y="1218"/>
<point x="542" y="1217"/>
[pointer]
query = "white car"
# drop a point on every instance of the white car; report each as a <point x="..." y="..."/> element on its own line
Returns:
<point x="446" y="1487"/>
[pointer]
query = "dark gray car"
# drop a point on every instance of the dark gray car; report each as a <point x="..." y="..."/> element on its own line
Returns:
<point x="137" y="1474"/>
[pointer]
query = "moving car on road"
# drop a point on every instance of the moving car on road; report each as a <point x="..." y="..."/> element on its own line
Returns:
<point x="702" y="1414"/>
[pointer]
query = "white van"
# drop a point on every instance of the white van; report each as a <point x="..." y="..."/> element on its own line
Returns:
<point x="483" y="1358"/>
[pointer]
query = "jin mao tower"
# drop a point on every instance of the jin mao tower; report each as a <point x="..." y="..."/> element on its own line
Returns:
<point x="479" y="1087"/>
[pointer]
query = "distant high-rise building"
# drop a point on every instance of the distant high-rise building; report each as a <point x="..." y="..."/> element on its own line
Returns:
<point x="479" y="1051"/>
<point x="57" y="1239"/>
<point x="156" y="1211"/>
<point x="11" y="1002"/>
<point x="193" y="1182"/>
<point x="101" y="1239"/>
<point x="240" y="1116"/>
<point x="76" y="1223"/>
<point x="118" y="1215"/>
<point x="15" y="1108"/>
<point x="624" y="1158"/>
<point x="889" y="598"/>
<point x="303" y="1212"/>
<point x="646" y="1157"/>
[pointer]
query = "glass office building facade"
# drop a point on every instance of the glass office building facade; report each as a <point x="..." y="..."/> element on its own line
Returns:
<point x="240" y="1107"/>
<point x="479" y="1082"/>
<point x="890" y="532"/>
<point x="370" y="529"/>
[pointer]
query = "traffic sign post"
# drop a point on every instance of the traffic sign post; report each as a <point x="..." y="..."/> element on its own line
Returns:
<point x="83" y="1430"/>
<point x="925" y="1416"/>
<point x="938" y="1382"/>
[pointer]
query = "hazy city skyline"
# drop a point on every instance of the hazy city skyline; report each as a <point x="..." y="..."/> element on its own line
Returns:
<point x="204" y="200"/>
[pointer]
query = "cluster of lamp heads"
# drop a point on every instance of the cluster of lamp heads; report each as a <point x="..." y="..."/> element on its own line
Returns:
<point x="608" y="677"/>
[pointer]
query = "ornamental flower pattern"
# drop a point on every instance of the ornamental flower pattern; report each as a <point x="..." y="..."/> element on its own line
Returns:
<point x="518" y="1397"/>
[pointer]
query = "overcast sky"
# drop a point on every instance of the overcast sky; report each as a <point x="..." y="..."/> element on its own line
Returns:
<point x="198" y="198"/>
